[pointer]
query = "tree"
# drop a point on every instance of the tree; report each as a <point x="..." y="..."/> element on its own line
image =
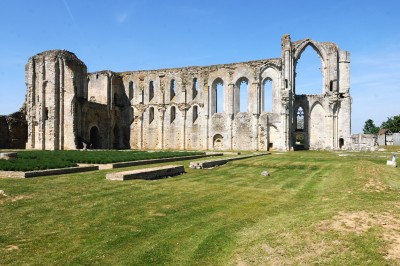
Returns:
<point x="370" y="128"/>
<point x="393" y="124"/>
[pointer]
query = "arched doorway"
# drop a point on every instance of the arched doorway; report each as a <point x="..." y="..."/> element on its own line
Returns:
<point x="218" y="142"/>
<point x="341" y="143"/>
<point x="94" y="138"/>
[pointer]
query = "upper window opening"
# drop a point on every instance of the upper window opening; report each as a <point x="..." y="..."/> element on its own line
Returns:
<point x="195" y="88"/>
<point x="172" y="89"/>
<point x="309" y="69"/>
<point x="243" y="96"/>
<point x="267" y="96"/>
<point x="130" y="90"/>
<point x="216" y="96"/>
<point x="151" y="90"/>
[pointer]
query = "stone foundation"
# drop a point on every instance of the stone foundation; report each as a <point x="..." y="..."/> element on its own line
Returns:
<point x="148" y="173"/>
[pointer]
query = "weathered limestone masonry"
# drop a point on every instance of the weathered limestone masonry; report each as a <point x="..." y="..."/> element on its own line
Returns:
<point x="181" y="108"/>
<point x="13" y="130"/>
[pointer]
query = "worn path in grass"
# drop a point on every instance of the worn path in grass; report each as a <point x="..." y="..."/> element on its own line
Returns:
<point x="316" y="207"/>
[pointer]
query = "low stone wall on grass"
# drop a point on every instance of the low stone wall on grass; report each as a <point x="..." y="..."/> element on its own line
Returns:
<point x="213" y="163"/>
<point x="148" y="173"/>
<point x="60" y="171"/>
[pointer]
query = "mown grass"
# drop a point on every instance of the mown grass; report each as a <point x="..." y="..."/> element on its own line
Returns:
<point x="38" y="160"/>
<point x="230" y="215"/>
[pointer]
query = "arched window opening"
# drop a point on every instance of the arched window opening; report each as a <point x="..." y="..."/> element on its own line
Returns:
<point x="286" y="83"/>
<point x="241" y="98"/>
<point x="142" y="97"/>
<point x="216" y="96"/>
<point x="220" y="98"/>
<point x="300" y="119"/>
<point x="94" y="138"/>
<point x="195" y="113"/>
<point x="309" y="75"/>
<point x="267" y="96"/>
<point x="172" y="114"/>
<point x="151" y="115"/>
<point x="172" y="89"/>
<point x="195" y="88"/>
<point x="151" y="90"/>
<point x="130" y="90"/>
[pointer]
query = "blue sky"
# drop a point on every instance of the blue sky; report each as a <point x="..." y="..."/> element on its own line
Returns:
<point x="131" y="35"/>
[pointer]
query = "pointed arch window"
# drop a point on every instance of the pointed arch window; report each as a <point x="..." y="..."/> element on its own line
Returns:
<point x="300" y="118"/>
<point x="267" y="95"/>
<point x="240" y="97"/>
<point x="309" y="72"/>
<point x="216" y="96"/>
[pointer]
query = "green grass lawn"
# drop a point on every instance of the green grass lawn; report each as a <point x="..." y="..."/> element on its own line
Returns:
<point x="38" y="160"/>
<point x="315" y="208"/>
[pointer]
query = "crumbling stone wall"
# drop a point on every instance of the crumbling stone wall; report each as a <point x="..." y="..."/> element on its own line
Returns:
<point x="205" y="107"/>
<point x="13" y="130"/>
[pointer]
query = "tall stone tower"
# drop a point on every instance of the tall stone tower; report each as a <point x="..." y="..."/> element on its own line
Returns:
<point x="56" y="84"/>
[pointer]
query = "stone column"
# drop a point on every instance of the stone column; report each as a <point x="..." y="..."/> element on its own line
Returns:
<point x="255" y="130"/>
<point x="230" y="99"/>
<point x="161" y="112"/>
<point x="183" y="108"/>
<point x="61" y="65"/>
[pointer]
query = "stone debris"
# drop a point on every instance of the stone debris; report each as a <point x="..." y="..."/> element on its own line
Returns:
<point x="8" y="155"/>
<point x="265" y="173"/>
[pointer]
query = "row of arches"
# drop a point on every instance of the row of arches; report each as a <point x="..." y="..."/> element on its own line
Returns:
<point x="172" y="90"/>
<point x="172" y="112"/>
<point x="240" y="96"/>
<point x="309" y="79"/>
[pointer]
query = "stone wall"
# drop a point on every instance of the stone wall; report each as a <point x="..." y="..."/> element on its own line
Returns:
<point x="364" y="142"/>
<point x="389" y="139"/>
<point x="13" y="130"/>
<point x="218" y="107"/>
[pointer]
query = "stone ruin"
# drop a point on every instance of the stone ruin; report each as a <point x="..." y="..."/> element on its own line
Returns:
<point x="13" y="130"/>
<point x="181" y="108"/>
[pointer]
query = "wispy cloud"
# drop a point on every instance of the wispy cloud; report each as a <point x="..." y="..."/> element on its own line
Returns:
<point x="121" y="17"/>
<point x="69" y="12"/>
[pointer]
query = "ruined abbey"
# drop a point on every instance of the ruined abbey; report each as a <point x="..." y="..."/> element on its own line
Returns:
<point x="218" y="107"/>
